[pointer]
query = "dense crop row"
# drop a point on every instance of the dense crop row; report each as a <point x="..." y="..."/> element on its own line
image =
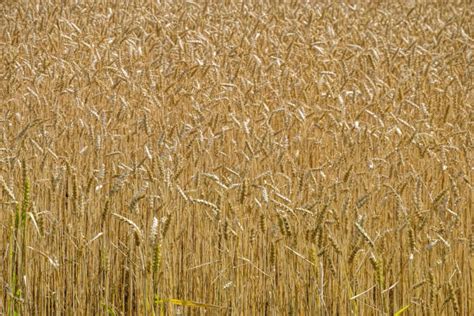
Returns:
<point x="235" y="158"/>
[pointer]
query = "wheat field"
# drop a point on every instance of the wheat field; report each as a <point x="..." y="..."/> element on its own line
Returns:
<point x="236" y="158"/>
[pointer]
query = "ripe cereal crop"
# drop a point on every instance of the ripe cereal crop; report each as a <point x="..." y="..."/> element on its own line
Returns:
<point x="236" y="157"/>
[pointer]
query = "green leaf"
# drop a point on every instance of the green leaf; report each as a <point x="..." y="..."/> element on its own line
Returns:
<point x="179" y="302"/>
<point x="401" y="310"/>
